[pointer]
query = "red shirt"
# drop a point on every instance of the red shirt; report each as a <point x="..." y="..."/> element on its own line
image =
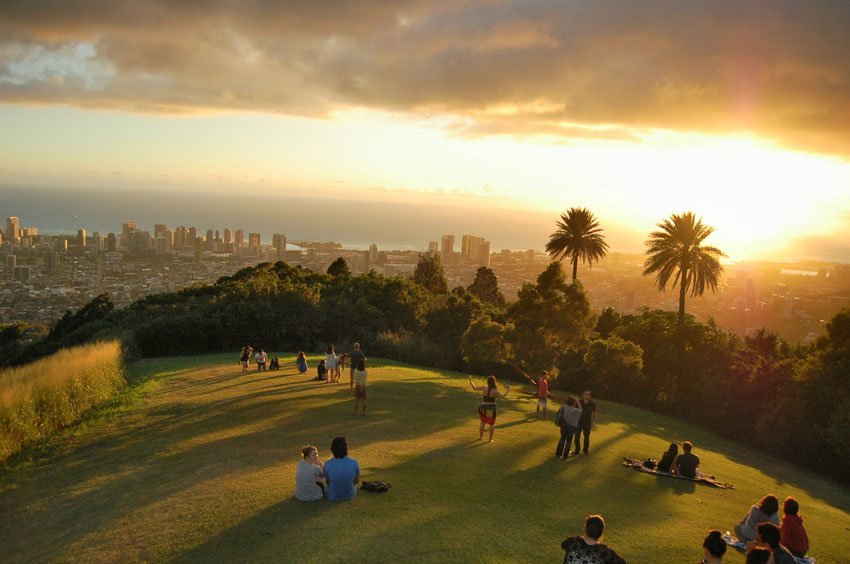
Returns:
<point x="793" y="534"/>
<point x="543" y="388"/>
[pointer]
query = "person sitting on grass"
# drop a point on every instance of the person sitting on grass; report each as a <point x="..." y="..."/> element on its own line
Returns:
<point x="686" y="463"/>
<point x="301" y="363"/>
<point x="768" y="536"/>
<point x="321" y="372"/>
<point x="765" y="511"/>
<point x="758" y="555"/>
<point x="274" y="364"/>
<point x="793" y="533"/>
<point x="309" y="475"/>
<point x="587" y="549"/>
<point x="341" y="472"/>
<point x="713" y="547"/>
<point x="668" y="458"/>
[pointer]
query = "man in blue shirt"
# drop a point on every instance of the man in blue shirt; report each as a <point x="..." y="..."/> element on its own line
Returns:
<point x="341" y="472"/>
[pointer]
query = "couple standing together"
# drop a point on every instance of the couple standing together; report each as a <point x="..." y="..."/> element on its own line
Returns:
<point x="575" y="418"/>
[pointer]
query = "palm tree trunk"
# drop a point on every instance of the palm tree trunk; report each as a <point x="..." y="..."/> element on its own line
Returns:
<point x="682" y="290"/>
<point x="575" y="267"/>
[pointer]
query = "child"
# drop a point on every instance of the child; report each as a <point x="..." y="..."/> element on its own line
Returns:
<point x="794" y="535"/>
<point x="321" y="372"/>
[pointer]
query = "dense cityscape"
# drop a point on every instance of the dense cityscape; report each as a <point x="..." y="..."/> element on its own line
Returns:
<point x="46" y="275"/>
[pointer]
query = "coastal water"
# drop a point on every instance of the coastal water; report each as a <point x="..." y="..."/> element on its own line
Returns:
<point x="356" y="224"/>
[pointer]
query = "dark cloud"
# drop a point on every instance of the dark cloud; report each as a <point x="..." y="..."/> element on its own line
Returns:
<point x="777" y="69"/>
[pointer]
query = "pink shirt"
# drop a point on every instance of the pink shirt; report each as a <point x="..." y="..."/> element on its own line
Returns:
<point x="543" y="388"/>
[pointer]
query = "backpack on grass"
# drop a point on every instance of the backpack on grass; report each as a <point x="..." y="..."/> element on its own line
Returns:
<point x="378" y="487"/>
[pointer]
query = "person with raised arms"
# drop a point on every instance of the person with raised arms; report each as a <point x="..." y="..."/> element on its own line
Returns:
<point x="487" y="408"/>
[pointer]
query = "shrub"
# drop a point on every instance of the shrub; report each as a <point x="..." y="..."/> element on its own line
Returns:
<point x="40" y="398"/>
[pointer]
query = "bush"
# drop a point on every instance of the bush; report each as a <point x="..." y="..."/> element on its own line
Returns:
<point x="40" y="398"/>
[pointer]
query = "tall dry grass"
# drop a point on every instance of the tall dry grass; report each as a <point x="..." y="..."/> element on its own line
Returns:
<point x="40" y="398"/>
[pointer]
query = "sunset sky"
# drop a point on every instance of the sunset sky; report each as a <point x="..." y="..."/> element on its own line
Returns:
<point x="739" y="111"/>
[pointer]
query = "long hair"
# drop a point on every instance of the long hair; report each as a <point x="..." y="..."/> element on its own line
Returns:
<point x="330" y="349"/>
<point x="491" y="383"/>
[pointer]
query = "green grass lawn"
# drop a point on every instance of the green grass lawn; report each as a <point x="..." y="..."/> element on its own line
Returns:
<point x="202" y="470"/>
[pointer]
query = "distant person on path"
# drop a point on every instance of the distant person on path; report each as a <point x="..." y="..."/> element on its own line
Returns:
<point x="261" y="358"/>
<point x="354" y="356"/>
<point x="768" y="536"/>
<point x="686" y="463"/>
<point x="567" y="418"/>
<point x="766" y="510"/>
<point x="341" y="472"/>
<point x="245" y="357"/>
<point x="487" y="408"/>
<point x="330" y="364"/>
<point x="301" y="363"/>
<point x="360" y="374"/>
<point x="321" y="372"/>
<point x="586" y="422"/>
<point x="542" y="384"/>
<point x="309" y="475"/>
<point x="668" y="458"/>
<point x="588" y="548"/>
<point x="793" y="533"/>
<point x="713" y="548"/>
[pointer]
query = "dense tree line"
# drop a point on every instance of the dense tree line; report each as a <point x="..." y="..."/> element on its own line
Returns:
<point x="792" y="401"/>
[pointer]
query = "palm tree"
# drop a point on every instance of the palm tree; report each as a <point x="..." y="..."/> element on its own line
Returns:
<point x="578" y="237"/>
<point x="677" y="248"/>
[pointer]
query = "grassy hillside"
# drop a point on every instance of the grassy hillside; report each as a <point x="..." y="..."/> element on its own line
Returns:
<point x="203" y="470"/>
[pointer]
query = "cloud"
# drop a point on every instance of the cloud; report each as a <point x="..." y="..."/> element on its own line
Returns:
<point x="775" y="69"/>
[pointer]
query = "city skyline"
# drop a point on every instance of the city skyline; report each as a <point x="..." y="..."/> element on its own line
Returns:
<point x="736" y="112"/>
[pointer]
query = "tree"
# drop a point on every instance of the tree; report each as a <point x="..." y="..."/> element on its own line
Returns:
<point x="486" y="287"/>
<point x="429" y="273"/>
<point x="615" y="367"/>
<point x="338" y="268"/>
<point x="579" y="237"/>
<point x="677" y="249"/>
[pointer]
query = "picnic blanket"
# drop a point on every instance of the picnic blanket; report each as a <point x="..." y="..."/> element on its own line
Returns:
<point x="637" y="464"/>
<point x="741" y="546"/>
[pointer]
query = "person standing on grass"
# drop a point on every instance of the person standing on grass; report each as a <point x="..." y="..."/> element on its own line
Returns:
<point x="586" y="422"/>
<point x="360" y="393"/>
<point x="567" y="417"/>
<point x="341" y="472"/>
<point x="245" y="357"/>
<point x="330" y="364"/>
<point x="588" y="548"/>
<point x="354" y="356"/>
<point x="542" y="391"/>
<point x="487" y="408"/>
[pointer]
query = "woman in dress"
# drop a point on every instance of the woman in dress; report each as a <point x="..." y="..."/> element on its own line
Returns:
<point x="487" y="409"/>
<point x="330" y="364"/>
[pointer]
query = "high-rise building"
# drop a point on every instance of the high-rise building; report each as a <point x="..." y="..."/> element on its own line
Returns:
<point x="159" y="230"/>
<point x="180" y="238"/>
<point x="95" y="243"/>
<point x="192" y="236"/>
<point x="209" y="242"/>
<point x="448" y="244"/>
<point x="81" y="238"/>
<point x="228" y="236"/>
<point x="111" y="242"/>
<point x="279" y="243"/>
<point x="140" y="242"/>
<point x="13" y="225"/>
<point x="484" y="254"/>
<point x="11" y="263"/>
<point x="373" y="253"/>
<point x="464" y="244"/>
<point x="160" y="245"/>
<point x="53" y="260"/>
<point x="433" y="247"/>
<point x="254" y="240"/>
<point x="60" y="245"/>
<point x="239" y="238"/>
<point x="126" y="229"/>
<point x="22" y="273"/>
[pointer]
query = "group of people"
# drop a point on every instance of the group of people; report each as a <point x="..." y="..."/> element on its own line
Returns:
<point x="761" y="528"/>
<point x="685" y="464"/>
<point x="261" y="358"/>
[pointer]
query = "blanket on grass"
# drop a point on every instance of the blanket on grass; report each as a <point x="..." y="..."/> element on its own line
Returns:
<point x="701" y="478"/>
<point x="741" y="546"/>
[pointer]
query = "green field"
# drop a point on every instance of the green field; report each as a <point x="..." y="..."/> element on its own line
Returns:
<point x="202" y="470"/>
